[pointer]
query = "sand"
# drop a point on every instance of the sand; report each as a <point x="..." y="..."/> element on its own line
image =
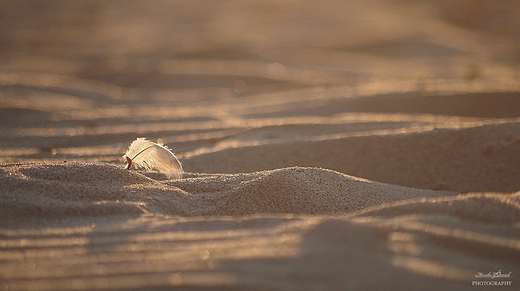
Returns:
<point x="339" y="145"/>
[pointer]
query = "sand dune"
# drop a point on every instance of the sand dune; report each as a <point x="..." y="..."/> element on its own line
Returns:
<point x="79" y="189"/>
<point x="332" y="145"/>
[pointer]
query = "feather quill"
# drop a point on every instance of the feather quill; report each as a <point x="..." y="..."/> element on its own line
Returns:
<point x="149" y="155"/>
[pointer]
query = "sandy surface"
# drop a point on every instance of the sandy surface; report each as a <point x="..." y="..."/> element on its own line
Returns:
<point x="338" y="145"/>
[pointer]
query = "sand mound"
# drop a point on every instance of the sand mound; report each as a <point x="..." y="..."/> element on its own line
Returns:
<point x="97" y="189"/>
<point x="57" y="191"/>
<point x="292" y="190"/>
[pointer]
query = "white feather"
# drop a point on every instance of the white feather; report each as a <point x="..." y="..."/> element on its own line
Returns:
<point x="149" y="155"/>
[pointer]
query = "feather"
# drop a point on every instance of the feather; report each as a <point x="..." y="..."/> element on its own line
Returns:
<point x="149" y="155"/>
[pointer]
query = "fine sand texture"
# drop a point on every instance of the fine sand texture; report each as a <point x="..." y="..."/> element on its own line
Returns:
<point x="327" y="145"/>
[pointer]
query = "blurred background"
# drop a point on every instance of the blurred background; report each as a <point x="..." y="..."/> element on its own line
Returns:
<point x="140" y="43"/>
<point x="72" y="71"/>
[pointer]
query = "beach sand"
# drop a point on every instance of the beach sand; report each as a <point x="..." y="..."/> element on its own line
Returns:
<point x="339" y="145"/>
